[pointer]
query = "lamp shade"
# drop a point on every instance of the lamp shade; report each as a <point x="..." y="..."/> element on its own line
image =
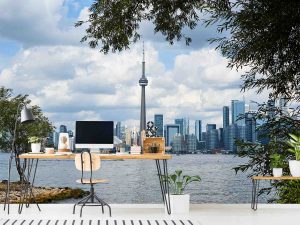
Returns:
<point x="26" y="115"/>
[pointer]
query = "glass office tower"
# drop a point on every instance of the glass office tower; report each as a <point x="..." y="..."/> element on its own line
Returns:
<point x="159" y="123"/>
<point x="225" y="116"/>
<point x="170" y="131"/>
<point x="237" y="109"/>
<point x="198" y="129"/>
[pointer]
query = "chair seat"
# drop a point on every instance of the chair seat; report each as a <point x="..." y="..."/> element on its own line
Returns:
<point x="94" y="181"/>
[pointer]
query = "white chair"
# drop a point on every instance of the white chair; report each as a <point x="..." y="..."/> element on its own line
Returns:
<point x="87" y="162"/>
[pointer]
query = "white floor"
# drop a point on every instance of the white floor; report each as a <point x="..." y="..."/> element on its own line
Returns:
<point x="204" y="214"/>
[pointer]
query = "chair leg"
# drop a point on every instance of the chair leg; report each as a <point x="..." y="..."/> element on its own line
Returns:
<point x="84" y="204"/>
<point x="103" y="203"/>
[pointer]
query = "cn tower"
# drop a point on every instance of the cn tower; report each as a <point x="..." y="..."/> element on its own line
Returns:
<point x="143" y="83"/>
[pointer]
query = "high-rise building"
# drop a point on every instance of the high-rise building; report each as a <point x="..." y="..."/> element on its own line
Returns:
<point x="271" y="108"/>
<point x="118" y="130"/>
<point x="143" y="83"/>
<point x="230" y="135"/>
<point x="128" y="137"/>
<point x="250" y="122"/>
<point x="191" y="143"/>
<point x="212" y="138"/>
<point x="178" y="144"/>
<point x="221" y="137"/>
<point x="180" y="123"/>
<point x="210" y="127"/>
<point x="63" y="129"/>
<point x="71" y="134"/>
<point x="159" y="123"/>
<point x="225" y="116"/>
<point x="55" y="139"/>
<point x="184" y="124"/>
<point x="198" y="129"/>
<point x="123" y="133"/>
<point x="204" y="137"/>
<point x="237" y="110"/>
<point x="170" y="131"/>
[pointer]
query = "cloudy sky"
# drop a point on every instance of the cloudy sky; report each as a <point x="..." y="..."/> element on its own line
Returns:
<point x="41" y="55"/>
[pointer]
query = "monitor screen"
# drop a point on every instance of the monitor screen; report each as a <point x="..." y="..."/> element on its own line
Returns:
<point x="94" y="134"/>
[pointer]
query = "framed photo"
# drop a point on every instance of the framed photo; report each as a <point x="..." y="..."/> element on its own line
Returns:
<point x="64" y="141"/>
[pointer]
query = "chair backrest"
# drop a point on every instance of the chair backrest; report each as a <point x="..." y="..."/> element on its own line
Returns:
<point x="87" y="161"/>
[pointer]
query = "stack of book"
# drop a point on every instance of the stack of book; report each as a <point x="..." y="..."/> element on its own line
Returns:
<point x="135" y="150"/>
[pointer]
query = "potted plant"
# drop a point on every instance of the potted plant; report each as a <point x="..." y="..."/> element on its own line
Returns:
<point x="35" y="144"/>
<point x="276" y="164"/>
<point x="294" y="165"/>
<point x="179" y="201"/>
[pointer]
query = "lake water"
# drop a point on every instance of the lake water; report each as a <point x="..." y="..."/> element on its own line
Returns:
<point x="135" y="181"/>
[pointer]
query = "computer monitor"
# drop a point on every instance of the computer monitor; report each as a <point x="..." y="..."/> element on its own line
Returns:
<point x="94" y="134"/>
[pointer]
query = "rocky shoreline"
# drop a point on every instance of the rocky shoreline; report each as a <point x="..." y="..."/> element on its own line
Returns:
<point x="42" y="194"/>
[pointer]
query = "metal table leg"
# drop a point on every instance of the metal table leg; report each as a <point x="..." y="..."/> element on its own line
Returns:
<point x="27" y="186"/>
<point x="164" y="185"/>
<point x="255" y="189"/>
<point x="7" y="193"/>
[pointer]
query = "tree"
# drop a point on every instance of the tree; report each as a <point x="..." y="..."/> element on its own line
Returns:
<point x="263" y="35"/>
<point x="115" y="23"/>
<point x="8" y="112"/>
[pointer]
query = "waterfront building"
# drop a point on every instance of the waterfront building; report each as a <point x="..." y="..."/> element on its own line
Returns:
<point x="159" y="123"/>
<point x="210" y="127"/>
<point x="55" y="139"/>
<point x="201" y="145"/>
<point x="71" y="134"/>
<point x="118" y="130"/>
<point x="212" y="138"/>
<point x="271" y="108"/>
<point x="250" y="122"/>
<point x="225" y="116"/>
<point x="128" y="137"/>
<point x="184" y="125"/>
<point x="177" y="144"/>
<point x="203" y="137"/>
<point x="230" y="135"/>
<point x="221" y="137"/>
<point x="123" y="133"/>
<point x="143" y="82"/>
<point x="181" y="124"/>
<point x="169" y="132"/>
<point x="63" y="129"/>
<point x="191" y="143"/>
<point x="237" y="110"/>
<point x="198" y="129"/>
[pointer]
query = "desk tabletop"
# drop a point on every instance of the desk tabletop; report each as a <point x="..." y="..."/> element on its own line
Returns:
<point x="148" y="156"/>
<point x="275" y="178"/>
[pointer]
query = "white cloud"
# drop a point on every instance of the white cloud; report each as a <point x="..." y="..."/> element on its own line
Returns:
<point x="84" y="83"/>
<point x="37" y="22"/>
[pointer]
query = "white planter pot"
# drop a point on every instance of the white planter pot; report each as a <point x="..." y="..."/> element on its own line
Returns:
<point x="294" y="168"/>
<point x="180" y="204"/>
<point x="36" y="147"/>
<point x="277" y="172"/>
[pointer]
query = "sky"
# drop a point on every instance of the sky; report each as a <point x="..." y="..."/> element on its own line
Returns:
<point x="41" y="55"/>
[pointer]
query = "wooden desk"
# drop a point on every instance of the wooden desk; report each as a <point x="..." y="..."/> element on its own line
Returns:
<point x="255" y="186"/>
<point x="147" y="156"/>
<point x="32" y="163"/>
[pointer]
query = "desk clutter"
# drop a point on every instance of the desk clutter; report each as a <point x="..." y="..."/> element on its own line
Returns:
<point x="135" y="150"/>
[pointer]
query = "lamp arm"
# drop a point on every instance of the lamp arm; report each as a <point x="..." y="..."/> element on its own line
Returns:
<point x="15" y="130"/>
